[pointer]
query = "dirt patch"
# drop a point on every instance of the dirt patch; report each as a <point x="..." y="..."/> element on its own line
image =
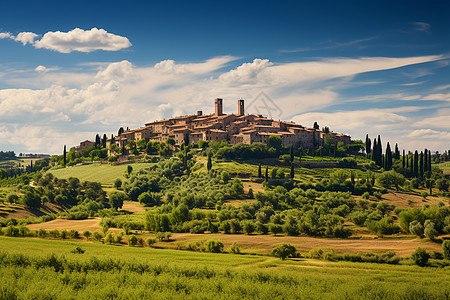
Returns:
<point x="407" y="200"/>
<point x="133" y="206"/>
<point x="61" y="224"/>
<point x="265" y="243"/>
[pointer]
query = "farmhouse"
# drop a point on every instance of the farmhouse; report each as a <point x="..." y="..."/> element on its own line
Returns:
<point x="234" y="128"/>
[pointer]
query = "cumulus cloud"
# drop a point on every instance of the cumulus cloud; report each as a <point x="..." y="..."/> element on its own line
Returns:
<point x="82" y="41"/>
<point x="5" y="35"/>
<point x="248" y="73"/>
<point x="26" y="38"/>
<point x="75" y="40"/>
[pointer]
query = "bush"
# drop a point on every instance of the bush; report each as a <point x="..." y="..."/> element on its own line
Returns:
<point x="416" y="228"/>
<point x="430" y="232"/>
<point x="235" y="249"/>
<point x="214" y="246"/>
<point x="150" y="241"/>
<point x="420" y="257"/>
<point x="132" y="241"/>
<point x="446" y="249"/>
<point x="284" y="250"/>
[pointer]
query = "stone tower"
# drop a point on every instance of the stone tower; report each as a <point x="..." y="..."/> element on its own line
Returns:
<point x="219" y="106"/>
<point x="241" y="111"/>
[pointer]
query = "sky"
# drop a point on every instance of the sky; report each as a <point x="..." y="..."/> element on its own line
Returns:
<point x="72" y="69"/>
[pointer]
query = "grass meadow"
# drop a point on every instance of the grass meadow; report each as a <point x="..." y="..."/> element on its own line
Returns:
<point x="103" y="173"/>
<point x="47" y="269"/>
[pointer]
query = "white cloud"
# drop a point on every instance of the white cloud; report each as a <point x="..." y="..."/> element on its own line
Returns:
<point x="430" y="134"/>
<point x="120" y="94"/>
<point x="43" y="69"/>
<point x="26" y="38"/>
<point x="82" y="41"/>
<point x="248" y="73"/>
<point x="439" y="97"/>
<point x="5" y="35"/>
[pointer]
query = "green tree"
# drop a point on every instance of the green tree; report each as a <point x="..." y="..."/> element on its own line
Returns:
<point x="368" y="144"/>
<point x="132" y="241"/>
<point x="118" y="183"/>
<point x="64" y="155"/>
<point x="443" y="184"/>
<point x="420" y="257"/>
<point x="31" y="200"/>
<point x="275" y="142"/>
<point x="214" y="246"/>
<point x="129" y="169"/>
<point x="116" y="199"/>
<point x="259" y="171"/>
<point x="416" y="164"/>
<point x="415" y="227"/>
<point x="226" y="177"/>
<point x="430" y="230"/>
<point x="284" y="251"/>
<point x="446" y="249"/>
<point x="209" y="164"/>
<point x="275" y="228"/>
<point x="389" y="178"/>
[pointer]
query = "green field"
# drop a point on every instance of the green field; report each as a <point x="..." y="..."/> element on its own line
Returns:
<point x="107" y="272"/>
<point x="104" y="173"/>
<point x="444" y="166"/>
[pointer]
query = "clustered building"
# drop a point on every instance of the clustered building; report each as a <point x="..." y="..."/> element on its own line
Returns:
<point x="234" y="128"/>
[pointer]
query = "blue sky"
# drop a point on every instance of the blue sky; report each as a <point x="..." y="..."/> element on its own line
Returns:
<point x="69" y="70"/>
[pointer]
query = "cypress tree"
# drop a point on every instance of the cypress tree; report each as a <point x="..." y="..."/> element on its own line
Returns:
<point x="292" y="171"/>
<point x="429" y="160"/>
<point x="403" y="159"/>
<point x="31" y="167"/>
<point x="421" y="164"/>
<point x="120" y="131"/>
<point x="267" y="174"/>
<point x="104" y="141"/>
<point x="259" y="171"/>
<point x="368" y="144"/>
<point x="397" y="153"/>
<point x="97" y="140"/>
<point x="209" y="164"/>
<point x="425" y="161"/>
<point x="388" y="157"/>
<point x="375" y="151"/>
<point x="380" y="151"/>
<point x="411" y="163"/>
<point x="416" y="164"/>
<point x="64" y="155"/>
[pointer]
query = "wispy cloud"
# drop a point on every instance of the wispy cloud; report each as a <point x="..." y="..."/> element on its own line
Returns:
<point x="332" y="45"/>
<point x="122" y="94"/>
<point x="421" y="26"/>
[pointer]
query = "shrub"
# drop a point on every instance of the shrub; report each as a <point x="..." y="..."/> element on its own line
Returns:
<point x="151" y="241"/>
<point x="132" y="241"/>
<point x="420" y="257"/>
<point x="284" y="250"/>
<point x="98" y="235"/>
<point x="446" y="249"/>
<point x="416" y="228"/>
<point x="214" y="246"/>
<point x="430" y="232"/>
<point x="87" y="234"/>
<point x="378" y="195"/>
<point x="366" y="195"/>
<point x="235" y="249"/>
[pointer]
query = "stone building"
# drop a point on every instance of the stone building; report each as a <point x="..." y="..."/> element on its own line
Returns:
<point x="234" y="128"/>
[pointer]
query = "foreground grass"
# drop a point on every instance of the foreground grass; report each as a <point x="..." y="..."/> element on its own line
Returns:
<point x="29" y="269"/>
<point x="105" y="173"/>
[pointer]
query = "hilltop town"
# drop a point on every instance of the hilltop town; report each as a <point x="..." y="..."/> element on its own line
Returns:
<point x="235" y="128"/>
